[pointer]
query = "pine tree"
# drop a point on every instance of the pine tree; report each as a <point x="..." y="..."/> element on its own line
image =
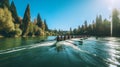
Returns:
<point x="99" y="25"/>
<point x="79" y="29"/>
<point x="86" y="29"/>
<point x="46" y="27"/>
<point x="71" y="32"/>
<point x="85" y="23"/>
<point x="4" y="3"/>
<point x="14" y="12"/>
<point x="26" y="20"/>
<point x="39" y="21"/>
<point x="94" y="28"/>
<point x="116" y="22"/>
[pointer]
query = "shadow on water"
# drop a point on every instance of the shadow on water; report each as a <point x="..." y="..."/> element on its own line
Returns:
<point x="103" y="52"/>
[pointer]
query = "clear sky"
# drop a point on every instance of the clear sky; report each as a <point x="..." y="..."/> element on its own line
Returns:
<point x="63" y="14"/>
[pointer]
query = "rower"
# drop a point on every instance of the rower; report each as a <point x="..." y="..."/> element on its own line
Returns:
<point x="68" y="36"/>
<point x="61" y="38"/>
<point x="64" y="37"/>
<point x="96" y="37"/>
<point x="71" y="36"/>
<point x="58" y="39"/>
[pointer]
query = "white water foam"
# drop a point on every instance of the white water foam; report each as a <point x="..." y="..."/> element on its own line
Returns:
<point x="26" y="47"/>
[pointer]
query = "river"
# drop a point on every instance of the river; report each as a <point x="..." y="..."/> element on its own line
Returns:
<point x="41" y="52"/>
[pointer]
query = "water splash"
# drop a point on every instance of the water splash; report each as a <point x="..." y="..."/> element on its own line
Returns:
<point x="11" y="50"/>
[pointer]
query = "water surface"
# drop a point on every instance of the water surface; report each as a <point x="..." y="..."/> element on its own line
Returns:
<point x="39" y="52"/>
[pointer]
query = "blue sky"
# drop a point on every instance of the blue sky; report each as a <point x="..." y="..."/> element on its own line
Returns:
<point x="63" y="14"/>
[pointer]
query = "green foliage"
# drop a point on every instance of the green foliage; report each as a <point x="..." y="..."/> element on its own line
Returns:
<point x="39" y="21"/>
<point x="46" y="26"/>
<point x="116" y="22"/>
<point x="100" y="28"/>
<point x="85" y="25"/>
<point x="43" y="26"/>
<point x="38" y="31"/>
<point x="4" y="3"/>
<point x="75" y="31"/>
<point x="47" y="33"/>
<point x="14" y="12"/>
<point x="99" y="25"/>
<point x="6" y="23"/>
<point x="106" y="27"/>
<point x="18" y="31"/>
<point x="31" y="29"/>
<point x="71" y="31"/>
<point x="26" y="21"/>
<point x="12" y="25"/>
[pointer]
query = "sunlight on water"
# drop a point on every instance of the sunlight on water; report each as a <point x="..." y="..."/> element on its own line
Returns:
<point x="111" y="65"/>
<point x="112" y="51"/>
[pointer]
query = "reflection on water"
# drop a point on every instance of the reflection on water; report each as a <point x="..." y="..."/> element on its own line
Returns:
<point x="6" y="43"/>
<point x="31" y="52"/>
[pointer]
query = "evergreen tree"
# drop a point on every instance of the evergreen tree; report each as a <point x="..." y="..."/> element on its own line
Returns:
<point x="75" y="31"/>
<point x="4" y="3"/>
<point x="116" y="22"/>
<point x="40" y="24"/>
<point x="79" y="29"/>
<point x="46" y="26"/>
<point x="82" y="29"/>
<point x="89" y="30"/>
<point x="39" y="21"/>
<point x="85" y="25"/>
<point x="14" y="12"/>
<point x="106" y="27"/>
<point x="93" y="28"/>
<point x="26" y="20"/>
<point x="99" y="25"/>
<point x="71" y="32"/>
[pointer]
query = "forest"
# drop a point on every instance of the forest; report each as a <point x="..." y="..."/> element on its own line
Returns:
<point x="11" y="25"/>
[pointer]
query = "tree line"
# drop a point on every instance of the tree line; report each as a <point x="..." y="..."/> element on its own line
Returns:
<point x="100" y="27"/>
<point x="11" y="25"/>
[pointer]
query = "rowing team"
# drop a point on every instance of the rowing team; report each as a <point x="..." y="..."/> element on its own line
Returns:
<point x="65" y="37"/>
